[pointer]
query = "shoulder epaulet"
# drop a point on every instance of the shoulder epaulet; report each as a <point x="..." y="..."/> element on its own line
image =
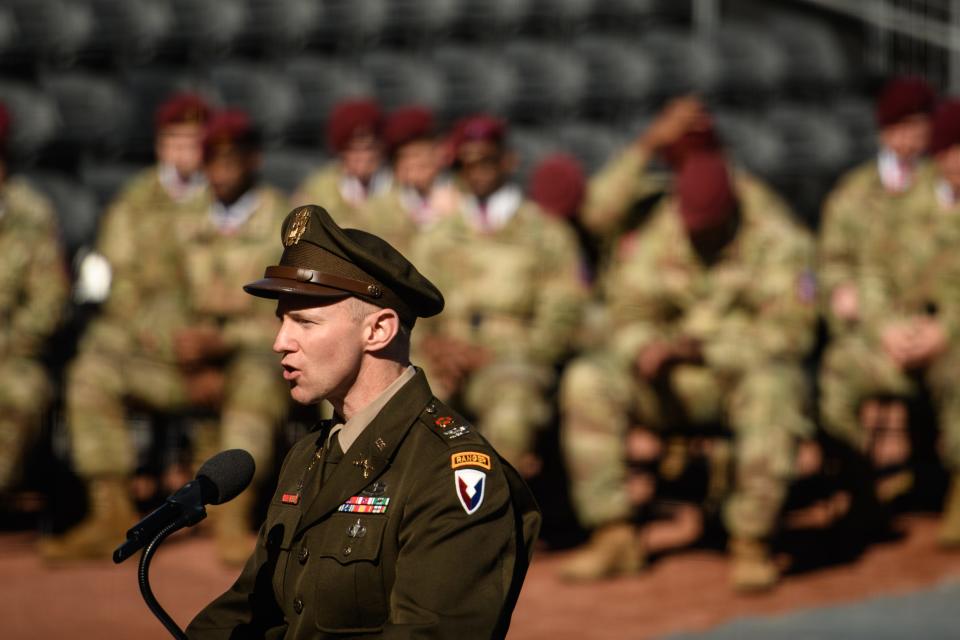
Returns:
<point x="447" y="424"/>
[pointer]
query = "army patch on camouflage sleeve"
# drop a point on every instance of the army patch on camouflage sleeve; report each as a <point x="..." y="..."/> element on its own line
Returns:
<point x="365" y="504"/>
<point x="470" y="459"/>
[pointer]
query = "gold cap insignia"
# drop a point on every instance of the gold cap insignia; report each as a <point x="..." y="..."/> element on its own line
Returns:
<point x="298" y="226"/>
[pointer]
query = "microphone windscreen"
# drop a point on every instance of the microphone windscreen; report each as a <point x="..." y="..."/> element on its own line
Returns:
<point x="225" y="475"/>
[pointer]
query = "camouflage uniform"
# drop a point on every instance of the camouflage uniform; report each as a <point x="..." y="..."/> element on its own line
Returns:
<point x="127" y="352"/>
<point x="327" y="187"/>
<point x="908" y="268"/>
<point x="218" y="262"/>
<point x="33" y="290"/>
<point x="399" y="214"/>
<point x="752" y="312"/>
<point x="856" y="204"/>
<point x="515" y="291"/>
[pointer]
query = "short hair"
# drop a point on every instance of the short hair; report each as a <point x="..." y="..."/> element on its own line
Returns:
<point x="360" y="309"/>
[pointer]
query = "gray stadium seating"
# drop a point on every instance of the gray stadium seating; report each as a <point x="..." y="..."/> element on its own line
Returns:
<point x="592" y="144"/>
<point x="417" y="20"/>
<point x="349" y="24"/>
<point x="53" y="30"/>
<point x="97" y="113"/>
<point x="35" y="119"/>
<point x="753" y="142"/>
<point x="476" y="80"/>
<point x="752" y="63"/>
<point x="559" y="18"/>
<point x="856" y="116"/>
<point x="8" y="30"/>
<point x="265" y="94"/>
<point x="684" y="63"/>
<point x="401" y="79"/>
<point x="815" y="58"/>
<point x="207" y="29"/>
<point x="531" y="146"/>
<point x="492" y="19"/>
<point x="105" y="179"/>
<point x="622" y="76"/>
<point x="322" y="82"/>
<point x="553" y="80"/>
<point x="131" y="31"/>
<point x="286" y="168"/>
<point x="280" y="26"/>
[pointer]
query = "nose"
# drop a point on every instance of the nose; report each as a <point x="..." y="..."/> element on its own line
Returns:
<point x="284" y="342"/>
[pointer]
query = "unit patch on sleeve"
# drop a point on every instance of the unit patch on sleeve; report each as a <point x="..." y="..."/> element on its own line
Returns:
<point x="470" y="459"/>
<point x="469" y="485"/>
<point x="365" y="504"/>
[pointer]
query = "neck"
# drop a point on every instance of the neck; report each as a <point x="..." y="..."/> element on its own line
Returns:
<point x="375" y="376"/>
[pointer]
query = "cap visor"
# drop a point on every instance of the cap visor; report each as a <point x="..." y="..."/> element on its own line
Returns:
<point x="273" y="288"/>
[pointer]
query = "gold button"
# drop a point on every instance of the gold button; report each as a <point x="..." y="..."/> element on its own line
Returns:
<point x="304" y="554"/>
<point x="374" y="291"/>
<point x="347" y="550"/>
<point x="298" y="605"/>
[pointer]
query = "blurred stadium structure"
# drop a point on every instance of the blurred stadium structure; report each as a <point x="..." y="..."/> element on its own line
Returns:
<point x="789" y="81"/>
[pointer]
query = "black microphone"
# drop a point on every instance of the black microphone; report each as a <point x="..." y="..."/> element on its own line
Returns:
<point x="219" y="479"/>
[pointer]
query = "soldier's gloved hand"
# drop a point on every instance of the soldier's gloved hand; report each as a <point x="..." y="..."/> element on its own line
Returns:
<point x="198" y="344"/>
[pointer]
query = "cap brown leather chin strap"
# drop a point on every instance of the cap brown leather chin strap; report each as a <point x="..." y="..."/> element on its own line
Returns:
<point x="325" y="279"/>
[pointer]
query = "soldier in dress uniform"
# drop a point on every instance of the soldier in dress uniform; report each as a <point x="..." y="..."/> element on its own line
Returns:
<point x="33" y="293"/>
<point x="354" y="134"/>
<point x="396" y="518"/>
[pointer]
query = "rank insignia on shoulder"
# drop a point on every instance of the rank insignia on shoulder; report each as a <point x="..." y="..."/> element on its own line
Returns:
<point x="365" y="504"/>
<point x="444" y="421"/>
<point x="290" y="498"/>
<point x="469" y="484"/>
<point x="470" y="459"/>
<point x="455" y="432"/>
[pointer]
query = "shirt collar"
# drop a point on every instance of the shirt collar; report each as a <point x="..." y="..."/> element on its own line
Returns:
<point x="497" y="211"/>
<point x="356" y="193"/>
<point x="175" y="186"/>
<point x="349" y="432"/>
<point x="895" y="175"/>
<point x="229" y="218"/>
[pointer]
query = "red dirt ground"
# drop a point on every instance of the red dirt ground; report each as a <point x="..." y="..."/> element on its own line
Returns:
<point x="682" y="592"/>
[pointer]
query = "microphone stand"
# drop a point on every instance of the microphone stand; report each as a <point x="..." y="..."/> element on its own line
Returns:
<point x="143" y="576"/>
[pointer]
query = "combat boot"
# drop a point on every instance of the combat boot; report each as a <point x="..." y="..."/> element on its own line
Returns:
<point x="612" y="550"/>
<point x="950" y="520"/>
<point x="753" y="567"/>
<point x="231" y="527"/>
<point x="111" y="513"/>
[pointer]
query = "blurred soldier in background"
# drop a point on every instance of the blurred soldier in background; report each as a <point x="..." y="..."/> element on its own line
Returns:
<point x="33" y="291"/>
<point x="511" y="279"/>
<point x="418" y="196"/>
<point x="908" y="288"/>
<point x="868" y="193"/>
<point x="127" y="351"/>
<point x="224" y="354"/>
<point x="712" y="311"/>
<point x="344" y="186"/>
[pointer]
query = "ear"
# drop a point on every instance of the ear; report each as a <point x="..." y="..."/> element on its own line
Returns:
<point x="379" y="329"/>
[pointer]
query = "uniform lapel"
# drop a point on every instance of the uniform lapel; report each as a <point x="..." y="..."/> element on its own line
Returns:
<point x="372" y="450"/>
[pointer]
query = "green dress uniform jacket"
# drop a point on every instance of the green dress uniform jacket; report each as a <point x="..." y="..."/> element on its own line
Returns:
<point x="419" y="531"/>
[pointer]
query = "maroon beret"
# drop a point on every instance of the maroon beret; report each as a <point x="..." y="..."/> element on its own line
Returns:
<point x="351" y="118"/>
<point x="478" y="128"/>
<point x="227" y="130"/>
<point x="182" y="108"/>
<point x="407" y="124"/>
<point x="5" y="119"/>
<point x="558" y="185"/>
<point x="903" y="97"/>
<point x="945" y="132"/>
<point x="690" y="142"/>
<point x="704" y="191"/>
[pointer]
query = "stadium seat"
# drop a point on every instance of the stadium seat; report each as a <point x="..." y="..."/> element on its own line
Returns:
<point x="815" y="57"/>
<point x="348" y="24"/>
<point x="627" y="16"/>
<point x="531" y="145"/>
<point x="592" y="144"/>
<point x="9" y="31"/>
<point x="417" y="20"/>
<point x="75" y="205"/>
<point x="558" y="18"/>
<point x="265" y="94"/>
<point x="206" y="29"/>
<point x="35" y="119"/>
<point x="753" y="143"/>
<point x="752" y="65"/>
<point x="286" y="168"/>
<point x="553" y="80"/>
<point x="322" y="83"/>
<point x="476" y="80"/>
<point x="622" y="77"/>
<point x="401" y="79"/>
<point x="857" y="119"/>
<point x="279" y="26"/>
<point x="684" y="63"/>
<point x="97" y="113"/>
<point x="106" y="179"/>
<point x="53" y="30"/>
<point x="148" y="87"/>
<point x="492" y="19"/>
<point x="816" y="139"/>
<point x="130" y="31"/>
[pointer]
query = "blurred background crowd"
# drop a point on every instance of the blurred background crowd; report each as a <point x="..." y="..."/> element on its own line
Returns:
<point x="698" y="257"/>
